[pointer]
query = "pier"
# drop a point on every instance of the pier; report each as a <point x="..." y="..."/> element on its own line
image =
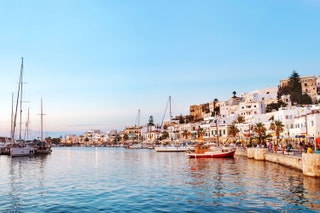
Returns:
<point x="308" y="163"/>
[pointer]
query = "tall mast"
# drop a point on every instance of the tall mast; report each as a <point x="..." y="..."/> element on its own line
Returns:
<point x="17" y="103"/>
<point x="12" y="117"/>
<point x="27" y="125"/>
<point x="41" y="121"/>
<point x="170" y="108"/>
<point x="41" y="126"/>
<point x="138" y="117"/>
<point x="165" y="112"/>
<point x="21" y="83"/>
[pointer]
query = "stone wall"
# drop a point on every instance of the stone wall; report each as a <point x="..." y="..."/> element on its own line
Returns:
<point x="286" y="160"/>
<point x="311" y="164"/>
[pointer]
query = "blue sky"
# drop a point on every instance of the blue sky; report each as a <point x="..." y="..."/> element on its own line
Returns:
<point x="96" y="62"/>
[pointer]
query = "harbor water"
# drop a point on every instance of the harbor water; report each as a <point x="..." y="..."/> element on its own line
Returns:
<point x="101" y="179"/>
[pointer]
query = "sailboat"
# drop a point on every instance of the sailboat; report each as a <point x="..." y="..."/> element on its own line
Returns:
<point x="42" y="147"/>
<point x="174" y="146"/>
<point x="19" y="147"/>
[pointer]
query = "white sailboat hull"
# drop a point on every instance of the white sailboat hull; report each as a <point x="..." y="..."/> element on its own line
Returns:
<point x="173" y="148"/>
<point x="22" y="151"/>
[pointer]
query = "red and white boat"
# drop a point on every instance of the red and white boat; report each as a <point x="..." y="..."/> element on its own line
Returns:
<point x="211" y="151"/>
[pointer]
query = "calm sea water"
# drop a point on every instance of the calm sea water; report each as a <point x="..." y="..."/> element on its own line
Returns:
<point x="124" y="180"/>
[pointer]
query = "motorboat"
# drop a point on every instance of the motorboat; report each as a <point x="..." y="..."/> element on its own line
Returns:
<point x="211" y="151"/>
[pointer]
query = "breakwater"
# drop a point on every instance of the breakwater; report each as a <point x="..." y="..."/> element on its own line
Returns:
<point x="308" y="163"/>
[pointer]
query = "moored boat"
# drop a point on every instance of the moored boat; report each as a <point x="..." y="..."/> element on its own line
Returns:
<point x="42" y="147"/>
<point x="173" y="148"/>
<point x="136" y="146"/>
<point x="21" y="149"/>
<point x="211" y="151"/>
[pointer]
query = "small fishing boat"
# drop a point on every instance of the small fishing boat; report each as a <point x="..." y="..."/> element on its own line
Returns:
<point x="211" y="151"/>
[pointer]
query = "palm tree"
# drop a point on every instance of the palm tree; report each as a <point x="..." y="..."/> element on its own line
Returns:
<point x="240" y="119"/>
<point x="185" y="134"/>
<point x="200" y="132"/>
<point x="278" y="127"/>
<point x="260" y="130"/>
<point x="233" y="130"/>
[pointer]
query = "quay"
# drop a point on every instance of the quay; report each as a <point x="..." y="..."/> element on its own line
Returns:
<point x="308" y="163"/>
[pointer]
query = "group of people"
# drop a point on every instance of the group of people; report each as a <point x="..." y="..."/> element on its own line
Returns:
<point x="306" y="148"/>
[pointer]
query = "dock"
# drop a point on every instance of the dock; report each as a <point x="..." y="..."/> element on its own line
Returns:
<point x="308" y="163"/>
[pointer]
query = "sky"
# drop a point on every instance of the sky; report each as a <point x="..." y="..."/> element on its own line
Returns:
<point x="95" y="63"/>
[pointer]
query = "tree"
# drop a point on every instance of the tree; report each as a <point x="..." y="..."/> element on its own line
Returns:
<point x="260" y="130"/>
<point x="240" y="119"/>
<point x="275" y="106"/>
<point x="185" y="133"/>
<point x="200" y="133"/>
<point x="305" y="99"/>
<point x="278" y="127"/>
<point x="295" y="87"/>
<point x="283" y="90"/>
<point x="181" y="119"/>
<point x="233" y="130"/>
<point x="125" y="137"/>
<point x="164" y="135"/>
<point x="117" y="138"/>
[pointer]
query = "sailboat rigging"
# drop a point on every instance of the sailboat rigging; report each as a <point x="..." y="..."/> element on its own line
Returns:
<point x="42" y="147"/>
<point x="19" y="147"/>
<point x="171" y="145"/>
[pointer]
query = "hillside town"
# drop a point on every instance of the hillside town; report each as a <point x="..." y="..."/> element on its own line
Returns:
<point x="250" y="119"/>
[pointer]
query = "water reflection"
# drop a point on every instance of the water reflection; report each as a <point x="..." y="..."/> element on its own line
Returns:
<point x="257" y="184"/>
<point x="123" y="179"/>
<point x="26" y="176"/>
<point x="312" y="188"/>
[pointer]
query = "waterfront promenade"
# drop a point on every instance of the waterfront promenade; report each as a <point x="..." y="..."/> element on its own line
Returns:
<point x="308" y="163"/>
